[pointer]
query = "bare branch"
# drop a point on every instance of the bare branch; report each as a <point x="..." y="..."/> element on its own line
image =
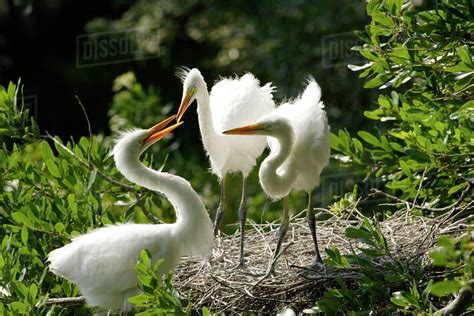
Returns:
<point x="459" y="304"/>
<point x="89" y="129"/>
<point x="80" y="300"/>
<point x="464" y="193"/>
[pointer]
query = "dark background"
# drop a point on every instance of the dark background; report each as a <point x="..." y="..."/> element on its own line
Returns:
<point x="47" y="43"/>
<point x="279" y="41"/>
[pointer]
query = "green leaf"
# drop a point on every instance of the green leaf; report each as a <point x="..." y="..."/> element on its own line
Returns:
<point x="24" y="235"/>
<point x="398" y="299"/>
<point x="463" y="53"/>
<point x="358" y="146"/>
<point x="139" y="299"/>
<point x="358" y="233"/>
<point x="91" y="180"/>
<point x="446" y="242"/>
<point x="376" y="81"/>
<point x="19" y="307"/>
<point x="72" y="203"/>
<point x="11" y="90"/>
<point x="460" y="67"/>
<point x="21" y="218"/>
<point x="46" y="151"/>
<point x="52" y="168"/>
<point x="59" y="227"/>
<point x="446" y="287"/>
<point x="374" y="115"/>
<point x="335" y="142"/>
<point x="33" y="290"/>
<point x="369" y="138"/>
<point x="458" y="187"/>
<point x="405" y="168"/>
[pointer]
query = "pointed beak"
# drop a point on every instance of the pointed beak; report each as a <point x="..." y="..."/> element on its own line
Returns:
<point x="159" y="131"/>
<point x="246" y="130"/>
<point x="185" y="103"/>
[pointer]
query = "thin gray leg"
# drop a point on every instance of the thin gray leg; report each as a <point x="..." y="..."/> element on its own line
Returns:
<point x="310" y="218"/>
<point x="222" y="206"/>
<point x="242" y="218"/>
<point x="285" y="221"/>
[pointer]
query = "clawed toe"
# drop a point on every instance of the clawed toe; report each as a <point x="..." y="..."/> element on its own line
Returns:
<point x="317" y="265"/>
<point x="240" y="266"/>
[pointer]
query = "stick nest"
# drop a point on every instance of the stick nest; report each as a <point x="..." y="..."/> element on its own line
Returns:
<point x="223" y="288"/>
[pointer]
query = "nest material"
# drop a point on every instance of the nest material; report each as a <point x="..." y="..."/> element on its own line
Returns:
<point x="223" y="288"/>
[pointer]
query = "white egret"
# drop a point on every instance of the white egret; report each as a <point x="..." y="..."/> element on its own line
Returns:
<point x="102" y="262"/>
<point x="299" y="142"/>
<point x="232" y="102"/>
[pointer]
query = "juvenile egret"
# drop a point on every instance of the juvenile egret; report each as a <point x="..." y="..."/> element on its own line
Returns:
<point x="299" y="142"/>
<point x="102" y="262"/>
<point x="232" y="102"/>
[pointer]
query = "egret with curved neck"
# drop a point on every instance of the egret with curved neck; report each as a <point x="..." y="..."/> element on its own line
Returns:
<point x="102" y="262"/>
<point x="232" y="102"/>
<point x="298" y="134"/>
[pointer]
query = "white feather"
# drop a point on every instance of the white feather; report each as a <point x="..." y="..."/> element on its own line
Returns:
<point x="102" y="262"/>
<point x="231" y="103"/>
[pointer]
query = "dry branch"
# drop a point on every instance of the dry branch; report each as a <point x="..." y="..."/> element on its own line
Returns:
<point x="80" y="300"/>
<point x="461" y="198"/>
<point x="458" y="305"/>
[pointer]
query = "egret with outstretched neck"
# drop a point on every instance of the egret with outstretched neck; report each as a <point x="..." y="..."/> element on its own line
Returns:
<point x="102" y="262"/>
<point x="232" y="102"/>
<point x="298" y="135"/>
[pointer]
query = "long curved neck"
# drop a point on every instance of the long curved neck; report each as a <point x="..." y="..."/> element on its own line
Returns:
<point x="206" y="123"/>
<point x="276" y="181"/>
<point x="190" y="211"/>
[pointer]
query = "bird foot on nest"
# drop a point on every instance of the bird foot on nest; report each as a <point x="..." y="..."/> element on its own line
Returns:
<point x="270" y="272"/>
<point x="205" y="265"/>
<point x="240" y="266"/>
<point x="317" y="265"/>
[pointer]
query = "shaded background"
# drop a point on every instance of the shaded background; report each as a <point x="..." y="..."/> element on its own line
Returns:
<point x="62" y="48"/>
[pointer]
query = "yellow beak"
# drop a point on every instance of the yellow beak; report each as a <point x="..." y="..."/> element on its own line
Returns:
<point x="158" y="131"/>
<point x="185" y="103"/>
<point x="246" y="130"/>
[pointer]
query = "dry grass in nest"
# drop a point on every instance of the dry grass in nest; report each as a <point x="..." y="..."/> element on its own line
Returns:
<point x="222" y="288"/>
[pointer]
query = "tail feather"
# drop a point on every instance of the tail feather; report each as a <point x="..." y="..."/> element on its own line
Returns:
<point x="312" y="93"/>
<point x="63" y="261"/>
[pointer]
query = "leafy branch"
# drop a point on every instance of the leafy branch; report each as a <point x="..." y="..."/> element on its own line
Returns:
<point x="93" y="168"/>
<point x="461" y="198"/>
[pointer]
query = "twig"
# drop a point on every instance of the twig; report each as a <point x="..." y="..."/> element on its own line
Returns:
<point x="272" y="262"/>
<point x="246" y="292"/>
<point x="420" y="186"/>
<point x="124" y="186"/>
<point x="300" y="289"/>
<point x="459" y="304"/>
<point x="89" y="129"/>
<point x="464" y="193"/>
<point x="80" y="300"/>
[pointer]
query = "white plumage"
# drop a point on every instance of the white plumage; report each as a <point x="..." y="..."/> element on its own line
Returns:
<point x="298" y="135"/>
<point x="311" y="149"/>
<point x="102" y="262"/>
<point x="232" y="102"/>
